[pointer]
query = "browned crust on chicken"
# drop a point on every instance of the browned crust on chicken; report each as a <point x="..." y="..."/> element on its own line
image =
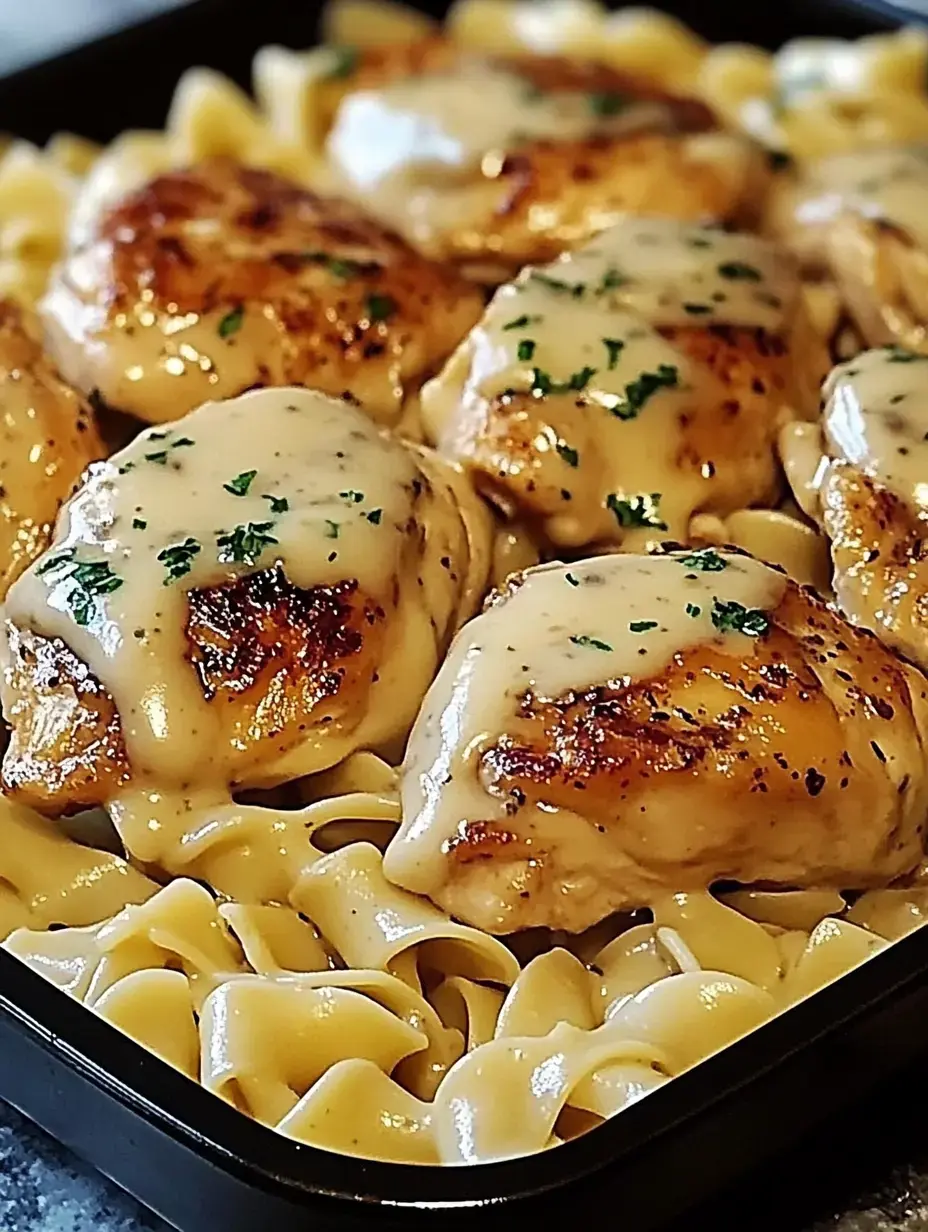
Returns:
<point x="319" y="294"/>
<point x="47" y="438"/>
<point x="277" y="659"/>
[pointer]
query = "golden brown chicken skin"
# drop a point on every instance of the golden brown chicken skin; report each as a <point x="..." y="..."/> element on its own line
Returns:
<point x="222" y="278"/>
<point x="232" y="601"/>
<point x="863" y="476"/>
<point x="535" y="155"/>
<point x="640" y="725"/>
<point x="613" y="395"/>
<point x="47" y="438"/>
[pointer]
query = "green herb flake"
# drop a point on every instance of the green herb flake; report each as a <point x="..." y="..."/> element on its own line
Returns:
<point x="178" y="559"/>
<point x="610" y="280"/>
<point x="344" y="62"/>
<point x="139" y="524"/>
<point x="570" y="456"/>
<point x="91" y="578"/>
<point x="614" y="348"/>
<point x="609" y="103"/>
<point x="181" y="442"/>
<point x="642" y="626"/>
<point x="571" y="580"/>
<point x="576" y="289"/>
<point x="642" y="510"/>
<point x="341" y="267"/>
<point x="643" y="388"/>
<point x="244" y="545"/>
<point x="699" y="241"/>
<point x="526" y="349"/>
<point x="522" y="322"/>
<point x="698" y="310"/>
<point x="279" y="504"/>
<point x="231" y="323"/>
<point x="738" y="271"/>
<point x="706" y="561"/>
<point x="331" y="529"/>
<point x="374" y="516"/>
<point x="693" y="609"/>
<point x="160" y="456"/>
<point x="542" y="382"/>
<point x="731" y="617"/>
<point x="592" y="643"/>
<point x="126" y="468"/>
<point x="899" y="355"/>
<point x="380" y="307"/>
<point x="241" y="483"/>
<point x="352" y="496"/>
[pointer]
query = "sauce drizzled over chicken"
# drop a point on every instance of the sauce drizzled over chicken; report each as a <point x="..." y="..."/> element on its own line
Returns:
<point x="612" y="730"/>
<point x="864" y="477"/>
<point x="241" y="598"/>
<point x="610" y="396"/>
<point x="47" y="438"/>
<point x="214" y="280"/>
<point x="861" y="219"/>
<point x="510" y="161"/>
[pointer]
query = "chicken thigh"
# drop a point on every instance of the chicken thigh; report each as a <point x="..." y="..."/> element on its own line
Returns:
<point x="214" y="280"/>
<point x="631" y="726"/>
<point x="609" y="396"/>
<point x="502" y="162"/>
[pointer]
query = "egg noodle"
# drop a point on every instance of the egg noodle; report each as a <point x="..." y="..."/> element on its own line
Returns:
<point x="303" y="986"/>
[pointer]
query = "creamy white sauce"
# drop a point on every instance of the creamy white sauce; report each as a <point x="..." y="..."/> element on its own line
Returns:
<point x="584" y="332"/>
<point x="330" y="498"/>
<point x="416" y="142"/>
<point x="614" y="619"/>
<point x="876" y="417"/>
<point x="884" y="183"/>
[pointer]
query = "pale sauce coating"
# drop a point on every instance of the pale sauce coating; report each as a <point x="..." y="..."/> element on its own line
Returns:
<point x="415" y="142"/>
<point x="876" y="418"/>
<point x="565" y="628"/>
<point x="285" y="477"/>
<point x="583" y="332"/>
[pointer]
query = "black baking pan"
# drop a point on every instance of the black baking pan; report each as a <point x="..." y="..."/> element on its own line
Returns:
<point x="205" y="1167"/>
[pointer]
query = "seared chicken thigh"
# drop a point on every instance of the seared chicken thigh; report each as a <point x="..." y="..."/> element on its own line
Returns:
<point x="218" y="279"/>
<point x="244" y="597"/>
<point x="47" y="438"/>
<point x="861" y="219"/>
<point x="630" y="726"/>
<point x="610" y="396"/>
<point x="508" y="161"/>
<point x="864" y="477"/>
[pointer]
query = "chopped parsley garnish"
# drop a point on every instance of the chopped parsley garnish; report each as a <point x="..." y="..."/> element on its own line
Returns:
<point x="91" y="578"/>
<point x="231" y="323"/>
<point x="344" y="62"/>
<point x="522" y="321"/>
<point x="526" y="349"/>
<point x="614" y="348"/>
<point x="160" y="456"/>
<point x="610" y="280"/>
<point x="178" y="559"/>
<point x="279" y="504"/>
<point x="899" y="355"/>
<point x="731" y="617"/>
<point x="352" y="496"/>
<point x="693" y="609"/>
<point x="593" y="642"/>
<point x="181" y="442"/>
<point x="245" y="544"/>
<point x="139" y="524"/>
<point x="126" y="468"/>
<point x="241" y="483"/>
<point x="341" y="267"/>
<point x="374" y="516"/>
<point x="639" y="391"/>
<point x="576" y="289"/>
<point x="380" y="307"/>
<point x="642" y="626"/>
<point x="608" y="103"/>
<point x="739" y="271"/>
<point x="571" y="580"/>
<point x="640" y="510"/>
<point x="706" y="561"/>
<point x="698" y="310"/>
<point x="542" y="382"/>
<point x="570" y="456"/>
<point x="331" y="529"/>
